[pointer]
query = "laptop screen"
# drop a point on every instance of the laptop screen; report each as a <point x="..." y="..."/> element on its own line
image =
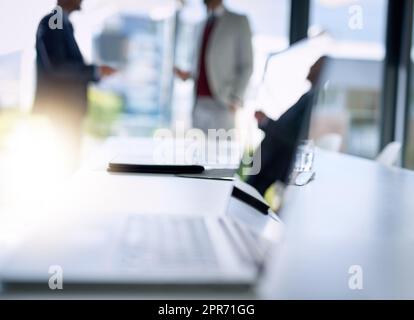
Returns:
<point x="274" y="159"/>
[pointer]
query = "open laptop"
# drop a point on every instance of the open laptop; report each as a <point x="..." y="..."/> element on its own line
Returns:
<point x="139" y="251"/>
<point x="142" y="250"/>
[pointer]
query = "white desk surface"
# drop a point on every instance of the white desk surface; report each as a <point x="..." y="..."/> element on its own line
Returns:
<point x="94" y="191"/>
<point x="94" y="196"/>
<point x="356" y="212"/>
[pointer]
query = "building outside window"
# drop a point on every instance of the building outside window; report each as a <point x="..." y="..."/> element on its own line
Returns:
<point x="351" y="103"/>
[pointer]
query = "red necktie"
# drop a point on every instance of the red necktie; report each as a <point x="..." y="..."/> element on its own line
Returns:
<point x="203" y="88"/>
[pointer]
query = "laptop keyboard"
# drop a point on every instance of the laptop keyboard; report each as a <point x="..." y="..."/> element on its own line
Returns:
<point x="168" y="241"/>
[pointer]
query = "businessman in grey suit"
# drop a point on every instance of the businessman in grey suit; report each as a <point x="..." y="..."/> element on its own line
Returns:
<point x="222" y="67"/>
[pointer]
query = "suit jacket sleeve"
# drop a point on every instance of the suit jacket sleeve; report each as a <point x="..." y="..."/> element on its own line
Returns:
<point x="287" y="127"/>
<point x="54" y="56"/>
<point x="244" y="63"/>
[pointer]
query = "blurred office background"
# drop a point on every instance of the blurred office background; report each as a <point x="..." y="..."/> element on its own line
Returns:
<point x="363" y="100"/>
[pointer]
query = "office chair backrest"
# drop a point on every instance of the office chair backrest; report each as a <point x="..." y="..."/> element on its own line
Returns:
<point x="391" y="154"/>
<point x="330" y="142"/>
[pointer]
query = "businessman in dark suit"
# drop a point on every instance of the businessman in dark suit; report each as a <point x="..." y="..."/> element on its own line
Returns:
<point x="278" y="148"/>
<point x="63" y="77"/>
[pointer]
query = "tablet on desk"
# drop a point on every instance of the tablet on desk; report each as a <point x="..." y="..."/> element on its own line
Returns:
<point x="132" y="164"/>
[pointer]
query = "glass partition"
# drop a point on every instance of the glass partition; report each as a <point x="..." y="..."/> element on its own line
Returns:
<point x="409" y="139"/>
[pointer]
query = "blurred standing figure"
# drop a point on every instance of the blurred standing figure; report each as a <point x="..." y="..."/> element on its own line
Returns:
<point x="62" y="78"/>
<point x="222" y="68"/>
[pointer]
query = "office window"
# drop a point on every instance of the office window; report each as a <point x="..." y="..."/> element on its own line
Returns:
<point x="351" y="103"/>
<point x="19" y="20"/>
<point x="409" y="153"/>
<point x="137" y="37"/>
<point x="409" y="141"/>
